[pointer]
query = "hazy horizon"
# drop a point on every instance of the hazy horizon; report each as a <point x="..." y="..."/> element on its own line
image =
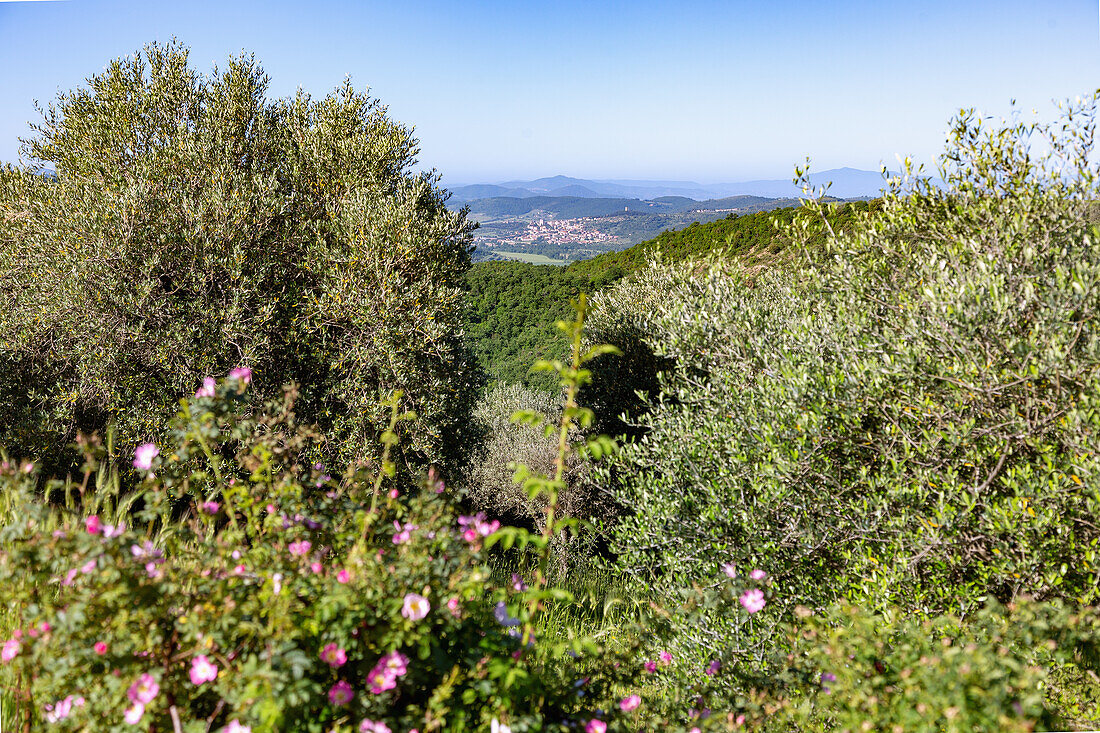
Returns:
<point x="450" y="182"/>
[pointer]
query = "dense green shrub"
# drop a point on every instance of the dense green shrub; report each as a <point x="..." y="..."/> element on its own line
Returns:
<point x="191" y="225"/>
<point x="909" y="417"/>
<point x="997" y="670"/>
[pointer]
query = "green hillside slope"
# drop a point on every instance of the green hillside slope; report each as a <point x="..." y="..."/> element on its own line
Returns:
<point x="514" y="305"/>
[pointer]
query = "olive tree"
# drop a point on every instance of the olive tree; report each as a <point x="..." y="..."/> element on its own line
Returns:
<point x="907" y="416"/>
<point x="167" y="225"/>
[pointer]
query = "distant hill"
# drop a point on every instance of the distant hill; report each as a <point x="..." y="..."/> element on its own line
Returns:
<point x="575" y="190"/>
<point x="563" y="207"/>
<point x="572" y="207"/>
<point x="484" y="191"/>
<point x="847" y="183"/>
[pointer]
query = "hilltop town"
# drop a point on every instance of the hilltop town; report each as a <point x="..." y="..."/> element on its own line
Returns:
<point x="557" y="232"/>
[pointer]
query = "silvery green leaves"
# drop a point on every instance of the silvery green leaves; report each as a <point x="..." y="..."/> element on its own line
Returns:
<point x="195" y="225"/>
<point x="903" y="416"/>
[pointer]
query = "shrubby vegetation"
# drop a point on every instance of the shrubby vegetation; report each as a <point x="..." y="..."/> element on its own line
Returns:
<point x="904" y="420"/>
<point x="194" y="225"/>
<point x="489" y="481"/>
<point x="856" y="481"/>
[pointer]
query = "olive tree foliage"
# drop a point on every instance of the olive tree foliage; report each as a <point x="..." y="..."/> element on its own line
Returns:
<point x="489" y="479"/>
<point x="191" y="225"/>
<point x="907" y="417"/>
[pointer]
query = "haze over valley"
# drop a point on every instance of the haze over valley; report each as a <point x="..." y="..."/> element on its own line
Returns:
<point x="560" y="219"/>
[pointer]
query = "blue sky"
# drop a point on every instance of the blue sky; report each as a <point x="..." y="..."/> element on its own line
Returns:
<point x="699" y="90"/>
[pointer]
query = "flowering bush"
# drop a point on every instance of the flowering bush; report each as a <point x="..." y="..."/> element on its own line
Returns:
<point x="1029" y="666"/>
<point x="251" y="590"/>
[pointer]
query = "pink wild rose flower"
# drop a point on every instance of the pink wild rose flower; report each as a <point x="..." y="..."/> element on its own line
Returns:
<point x="340" y="694"/>
<point x="595" y="726"/>
<point x="395" y="662"/>
<point x="207" y="388"/>
<point x="241" y="374"/>
<point x="372" y="726"/>
<point x="10" y="650"/>
<point x="144" y="690"/>
<point x="203" y="670"/>
<point x="133" y="713"/>
<point x="334" y="656"/>
<point x="415" y="607"/>
<point x="380" y="680"/>
<point x="752" y="600"/>
<point x="144" y="455"/>
<point x="62" y="708"/>
<point x="630" y="702"/>
<point x="384" y="676"/>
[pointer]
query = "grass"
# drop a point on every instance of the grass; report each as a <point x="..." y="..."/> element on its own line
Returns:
<point x="530" y="258"/>
<point x="604" y="602"/>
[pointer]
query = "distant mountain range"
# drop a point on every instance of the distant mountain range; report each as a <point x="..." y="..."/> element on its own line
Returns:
<point x="846" y="183"/>
<point x="570" y="207"/>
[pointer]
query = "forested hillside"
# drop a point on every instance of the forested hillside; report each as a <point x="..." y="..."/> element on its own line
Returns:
<point x="513" y="308"/>
<point x="514" y="305"/>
